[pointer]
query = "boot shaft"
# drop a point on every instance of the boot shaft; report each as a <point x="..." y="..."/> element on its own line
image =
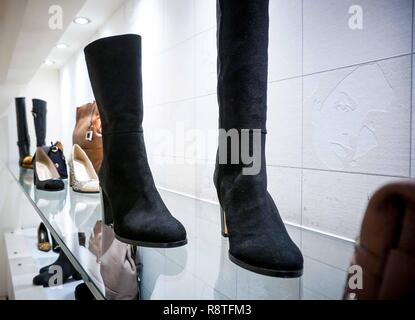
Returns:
<point x="114" y="67"/>
<point x="39" y="112"/>
<point x="242" y="41"/>
<point x="23" y="138"/>
<point x="21" y="120"/>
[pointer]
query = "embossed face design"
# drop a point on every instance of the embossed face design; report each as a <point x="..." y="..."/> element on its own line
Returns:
<point x="344" y="128"/>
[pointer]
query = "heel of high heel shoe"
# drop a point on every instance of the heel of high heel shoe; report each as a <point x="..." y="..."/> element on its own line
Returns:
<point x="71" y="174"/>
<point x="106" y="209"/>
<point x="224" y="226"/>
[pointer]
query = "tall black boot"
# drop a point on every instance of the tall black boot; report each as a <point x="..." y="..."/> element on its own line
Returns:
<point x="23" y="138"/>
<point x="130" y="198"/>
<point x="257" y="236"/>
<point x="39" y="116"/>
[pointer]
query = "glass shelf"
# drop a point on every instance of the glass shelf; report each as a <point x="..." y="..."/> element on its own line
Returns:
<point x="199" y="270"/>
<point x="73" y="220"/>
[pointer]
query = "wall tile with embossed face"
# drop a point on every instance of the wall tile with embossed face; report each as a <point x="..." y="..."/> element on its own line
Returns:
<point x="332" y="37"/>
<point x="357" y="119"/>
<point x="335" y="202"/>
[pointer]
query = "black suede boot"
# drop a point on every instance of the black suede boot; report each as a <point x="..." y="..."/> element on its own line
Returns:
<point x="258" y="239"/>
<point x="23" y="138"/>
<point x="130" y="198"/>
<point x="39" y="116"/>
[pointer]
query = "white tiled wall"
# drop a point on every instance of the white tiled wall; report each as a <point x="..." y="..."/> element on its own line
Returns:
<point x="285" y="39"/>
<point x="330" y="43"/>
<point x="339" y="118"/>
<point x="339" y="101"/>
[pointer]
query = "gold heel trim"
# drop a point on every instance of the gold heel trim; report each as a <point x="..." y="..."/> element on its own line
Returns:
<point x="224" y="225"/>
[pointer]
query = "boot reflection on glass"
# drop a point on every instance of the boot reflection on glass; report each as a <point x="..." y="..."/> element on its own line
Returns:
<point x="258" y="239"/>
<point x="23" y="138"/>
<point x="26" y="179"/>
<point x="83" y="210"/>
<point x="130" y="199"/>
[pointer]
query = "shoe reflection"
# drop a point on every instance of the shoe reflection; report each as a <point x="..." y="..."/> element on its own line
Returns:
<point x="84" y="210"/>
<point x="50" y="203"/>
<point x="26" y="179"/>
<point x="115" y="264"/>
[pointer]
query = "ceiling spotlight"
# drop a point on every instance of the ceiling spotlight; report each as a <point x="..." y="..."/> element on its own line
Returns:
<point x="82" y="20"/>
<point x="62" y="46"/>
<point x="49" y="62"/>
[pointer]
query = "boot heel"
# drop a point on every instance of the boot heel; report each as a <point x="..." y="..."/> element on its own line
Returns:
<point x="106" y="209"/>
<point x="224" y="226"/>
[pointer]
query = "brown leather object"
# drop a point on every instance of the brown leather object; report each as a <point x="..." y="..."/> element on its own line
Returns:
<point x="386" y="248"/>
<point x="87" y="133"/>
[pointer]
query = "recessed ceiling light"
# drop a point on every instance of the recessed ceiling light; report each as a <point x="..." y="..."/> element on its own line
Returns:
<point x="82" y="20"/>
<point x="62" y="46"/>
<point x="49" y="62"/>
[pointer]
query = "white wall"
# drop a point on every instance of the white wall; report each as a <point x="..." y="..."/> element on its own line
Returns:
<point x="15" y="211"/>
<point x="339" y="101"/>
<point x="45" y="86"/>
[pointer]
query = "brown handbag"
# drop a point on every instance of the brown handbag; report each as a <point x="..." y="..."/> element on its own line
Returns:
<point x="385" y="250"/>
<point x="87" y="133"/>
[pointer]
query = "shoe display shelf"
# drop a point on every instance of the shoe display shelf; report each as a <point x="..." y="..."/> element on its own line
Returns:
<point x="24" y="262"/>
<point x="199" y="270"/>
<point x="70" y="218"/>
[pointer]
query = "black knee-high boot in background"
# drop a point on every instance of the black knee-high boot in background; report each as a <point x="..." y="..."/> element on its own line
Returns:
<point x="23" y="138"/>
<point x="258" y="238"/>
<point x="39" y="116"/>
<point x="130" y="198"/>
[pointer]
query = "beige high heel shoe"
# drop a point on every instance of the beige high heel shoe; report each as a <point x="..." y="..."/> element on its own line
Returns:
<point x="83" y="177"/>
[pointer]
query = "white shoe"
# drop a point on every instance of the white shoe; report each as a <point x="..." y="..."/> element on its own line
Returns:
<point x="83" y="177"/>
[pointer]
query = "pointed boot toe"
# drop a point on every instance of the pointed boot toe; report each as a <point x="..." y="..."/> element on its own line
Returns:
<point x="264" y="247"/>
<point x="286" y="263"/>
<point x="151" y="230"/>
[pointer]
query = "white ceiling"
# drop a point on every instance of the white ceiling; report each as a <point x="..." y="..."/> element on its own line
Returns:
<point x="26" y="40"/>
